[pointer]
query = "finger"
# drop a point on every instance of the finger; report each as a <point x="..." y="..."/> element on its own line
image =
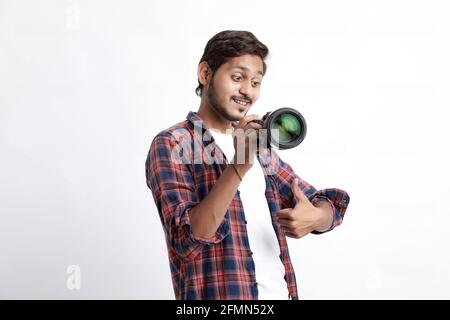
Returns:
<point x="287" y="215"/>
<point x="257" y="121"/>
<point x="245" y="120"/>
<point x="285" y="210"/>
<point x="285" y="223"/>
<point x="251" y="117"/>
<point x="291" y="235"/>
<point x="251" y="125"/>
<point x="261" y="122"/>
<point x="298" y="193"/>
<point x="294" y="235"/>
<point x="247" y="129"/>
<point x="286" y="228"/>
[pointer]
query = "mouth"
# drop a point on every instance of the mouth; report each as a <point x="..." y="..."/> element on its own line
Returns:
<point x="242" y="103"/>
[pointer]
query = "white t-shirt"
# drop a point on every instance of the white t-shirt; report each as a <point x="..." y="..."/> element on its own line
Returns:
<point x="263" y="241"/>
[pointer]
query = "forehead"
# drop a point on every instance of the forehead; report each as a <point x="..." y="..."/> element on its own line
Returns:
<point x="251" y="64"/>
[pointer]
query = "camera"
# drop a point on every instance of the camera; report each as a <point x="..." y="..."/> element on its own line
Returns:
<point x="285" y="128"/>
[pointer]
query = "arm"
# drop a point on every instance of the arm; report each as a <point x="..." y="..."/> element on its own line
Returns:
<point x="305" y="217"/>
<point x="188" y="223"/>
<point x="209" y="213"/>
<point x="174" y="193"/>
<point x="332" y="199"/>
<point x="325" y="217"/>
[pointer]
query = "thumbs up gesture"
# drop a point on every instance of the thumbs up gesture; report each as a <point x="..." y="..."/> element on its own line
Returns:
<point x="304" y="217"/>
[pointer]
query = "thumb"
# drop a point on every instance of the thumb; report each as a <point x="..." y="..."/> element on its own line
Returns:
<point x="298" y="193"/>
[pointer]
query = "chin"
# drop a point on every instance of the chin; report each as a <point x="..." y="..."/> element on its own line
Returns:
<point x="238" y="114"/>
<point x="234" y="117"/>
<point x="232" y="112"/>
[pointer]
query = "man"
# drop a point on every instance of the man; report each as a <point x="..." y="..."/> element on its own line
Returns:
<point x="220" y="244"/>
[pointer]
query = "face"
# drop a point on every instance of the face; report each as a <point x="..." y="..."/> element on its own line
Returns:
<point x="235" y="86"/>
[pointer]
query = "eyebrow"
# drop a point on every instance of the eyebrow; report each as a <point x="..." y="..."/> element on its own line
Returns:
<point x="247" y="69"/>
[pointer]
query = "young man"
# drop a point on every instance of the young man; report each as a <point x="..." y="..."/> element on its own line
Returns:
<point x="221" y="244"/>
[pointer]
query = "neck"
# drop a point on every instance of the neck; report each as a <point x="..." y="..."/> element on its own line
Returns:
<point x="211" y="118"/>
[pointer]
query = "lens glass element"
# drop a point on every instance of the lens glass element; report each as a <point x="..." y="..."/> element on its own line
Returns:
<point x="289" y="127"/>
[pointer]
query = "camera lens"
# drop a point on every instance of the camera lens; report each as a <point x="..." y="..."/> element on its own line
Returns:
<point x="287" y="128"/>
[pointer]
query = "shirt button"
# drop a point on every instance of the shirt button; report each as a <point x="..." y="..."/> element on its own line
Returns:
<point x="245" y="221"/>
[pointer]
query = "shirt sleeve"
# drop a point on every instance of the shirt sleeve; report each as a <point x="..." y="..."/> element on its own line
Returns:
<point x="285" y="175"/>
<point x="173" y="188"/>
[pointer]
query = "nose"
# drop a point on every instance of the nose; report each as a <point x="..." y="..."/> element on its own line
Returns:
<point x="246" y="89"/>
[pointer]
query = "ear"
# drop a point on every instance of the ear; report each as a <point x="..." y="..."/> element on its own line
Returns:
<point x="203" y="73"/>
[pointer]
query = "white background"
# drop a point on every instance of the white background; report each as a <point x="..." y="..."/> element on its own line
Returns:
<point x="85" y="86"/>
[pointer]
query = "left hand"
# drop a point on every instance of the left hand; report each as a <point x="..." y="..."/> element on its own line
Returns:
<point x="303" y="218"/>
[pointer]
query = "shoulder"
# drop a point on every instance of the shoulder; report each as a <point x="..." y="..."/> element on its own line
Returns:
<point x="175" y="133"/>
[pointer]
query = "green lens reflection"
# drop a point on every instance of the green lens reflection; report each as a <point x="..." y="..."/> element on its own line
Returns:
<point x="288" y="126"/>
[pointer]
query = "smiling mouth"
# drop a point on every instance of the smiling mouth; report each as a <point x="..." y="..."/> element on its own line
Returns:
<point x="243" y="103"/>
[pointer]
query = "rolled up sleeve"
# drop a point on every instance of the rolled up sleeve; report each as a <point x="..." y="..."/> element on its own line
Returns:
<point x="338" y="199"/>
<point x="173" y="190"/>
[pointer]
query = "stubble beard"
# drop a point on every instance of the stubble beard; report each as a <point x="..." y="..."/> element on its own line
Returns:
<point x="213" y="100"/>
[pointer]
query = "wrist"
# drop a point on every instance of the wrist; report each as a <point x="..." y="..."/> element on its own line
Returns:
<point x="324" y="219"/>
<point x="242" y="167"/>
<point x="240" y="170"/>
<point x="236" y="170"/>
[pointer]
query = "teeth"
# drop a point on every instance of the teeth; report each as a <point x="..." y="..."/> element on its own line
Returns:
<point x="240" y="102"/>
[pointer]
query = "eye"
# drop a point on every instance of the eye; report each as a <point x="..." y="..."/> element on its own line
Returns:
<point x="256" y="84"/>
<point x="236" y="77"/>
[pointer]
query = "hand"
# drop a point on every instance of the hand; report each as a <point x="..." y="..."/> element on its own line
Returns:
<point x="245" y="137"/>
<point x="303" y="218"/>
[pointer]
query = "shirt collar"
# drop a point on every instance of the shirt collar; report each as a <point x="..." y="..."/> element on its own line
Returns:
<point x="196" y="120"/>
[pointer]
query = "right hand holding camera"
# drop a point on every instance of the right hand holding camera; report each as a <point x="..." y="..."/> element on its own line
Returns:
<point x="245" y="137"/>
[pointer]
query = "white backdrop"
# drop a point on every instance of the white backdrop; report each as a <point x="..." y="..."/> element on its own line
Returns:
<point x="85" y="86"/>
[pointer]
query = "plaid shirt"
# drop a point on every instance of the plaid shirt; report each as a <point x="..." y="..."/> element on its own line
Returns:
<point x="221" y="267"/>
